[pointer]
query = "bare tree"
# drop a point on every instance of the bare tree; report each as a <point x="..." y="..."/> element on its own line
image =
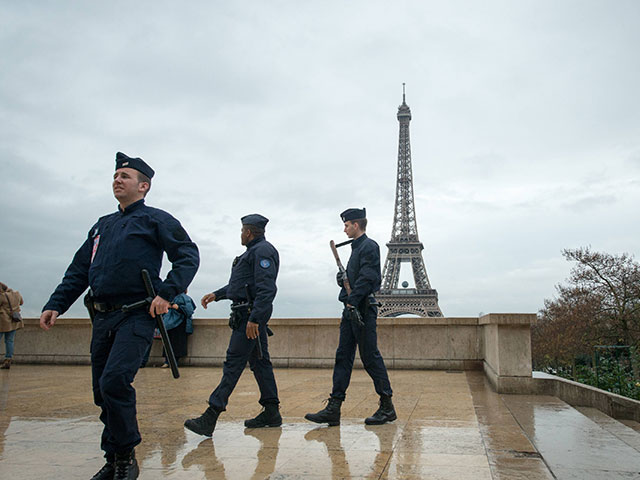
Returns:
<point x="615" y="281"/>
<point x="599" y="305"/>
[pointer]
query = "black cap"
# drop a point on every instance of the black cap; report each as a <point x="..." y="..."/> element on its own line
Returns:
<point x="353" y="214"/>
<point x="255" y="219"/>
<point x="124" y="161"/>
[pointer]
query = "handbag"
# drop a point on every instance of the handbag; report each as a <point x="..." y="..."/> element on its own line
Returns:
<point x="15" y="316"/>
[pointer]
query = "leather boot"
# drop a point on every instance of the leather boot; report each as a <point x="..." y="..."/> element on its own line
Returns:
<point x="6" y="365"/>
<point x="205" y="423"/>
<point x="126" y="466"/>
<point x="385" y="413"/>
<point x="108" y="470"/>
<point x="329" y="414"/>
<point x="269" y="417"/>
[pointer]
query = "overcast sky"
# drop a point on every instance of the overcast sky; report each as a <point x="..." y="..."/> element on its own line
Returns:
<point x="525" y="135"/>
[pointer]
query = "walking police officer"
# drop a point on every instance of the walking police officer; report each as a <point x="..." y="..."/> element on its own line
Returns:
<point x="358" y="325"/>
<point x="110" y="261"/>
<point x="251" y="289"/>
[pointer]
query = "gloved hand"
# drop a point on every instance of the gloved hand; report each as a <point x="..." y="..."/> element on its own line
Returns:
<point x="340" y="278"/>
<point x="354" y="315"/>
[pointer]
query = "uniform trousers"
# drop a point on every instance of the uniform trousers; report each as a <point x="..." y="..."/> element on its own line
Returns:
<point x="242" y="349"/>
<point x="118" y="344"/>
<point x="366" y="340"/>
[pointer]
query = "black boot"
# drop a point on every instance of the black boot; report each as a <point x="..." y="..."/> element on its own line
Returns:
<point x="126" y="466"/>
<point x="108" y="470"/>
<point x="385" y="413"/>
<point x="205" y="423"/>
<point x="269" y="417"/>
<point x="329" y="414"/>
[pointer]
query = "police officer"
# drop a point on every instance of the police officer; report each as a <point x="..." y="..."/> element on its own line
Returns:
<point x="358" y="325"/>
<point x="110" y="260"/>
<point x="251" y="289"/>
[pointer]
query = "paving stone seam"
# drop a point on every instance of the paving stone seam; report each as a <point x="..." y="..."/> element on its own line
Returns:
<point x="524" y="432"/>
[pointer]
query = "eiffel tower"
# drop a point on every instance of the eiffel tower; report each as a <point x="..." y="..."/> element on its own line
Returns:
<point x="405" y="246"/>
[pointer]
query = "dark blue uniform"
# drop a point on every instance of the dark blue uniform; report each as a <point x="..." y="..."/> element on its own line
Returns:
<point x="363" y="272"/>
<point x="257" y="268"/>
<point x="117" y="248"/>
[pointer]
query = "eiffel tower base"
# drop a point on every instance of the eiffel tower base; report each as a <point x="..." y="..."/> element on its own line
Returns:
<point x="401" y="303"/>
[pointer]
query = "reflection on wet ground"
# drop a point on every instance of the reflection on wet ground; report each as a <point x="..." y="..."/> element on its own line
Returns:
<point x="450" y="426"/>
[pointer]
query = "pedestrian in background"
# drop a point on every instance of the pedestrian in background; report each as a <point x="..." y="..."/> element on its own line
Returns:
<point x="10" y="321"/>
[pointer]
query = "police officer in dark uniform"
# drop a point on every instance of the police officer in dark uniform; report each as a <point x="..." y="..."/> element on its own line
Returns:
<point x="251" y="289"/>
<point x="358" y="325"/>
<point x="110" y="261"/>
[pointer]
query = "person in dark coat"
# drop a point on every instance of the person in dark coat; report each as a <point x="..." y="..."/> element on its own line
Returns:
<point x="358" y="325"/>
<point x="251" y="289"/>
<point x="110" y="261"/>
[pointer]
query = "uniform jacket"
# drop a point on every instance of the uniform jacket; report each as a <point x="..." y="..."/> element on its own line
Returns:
<point x="363" y="272"/>
<point x="257" y="267"/>
<point x="118" y="247"/>
<point x="6" y="325"/>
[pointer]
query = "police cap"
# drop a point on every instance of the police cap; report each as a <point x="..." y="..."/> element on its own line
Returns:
<point x="353" y="214"/>
<point x="255" y="219"/>
<point x="124" y="161"/>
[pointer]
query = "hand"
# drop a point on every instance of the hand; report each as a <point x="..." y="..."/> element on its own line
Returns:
<point x="175" y="306"/>
<point x="48" y="319"/>
<point x="252" y="330"/>
<point x="207" y="299"/>
<point x="159" y="306"/>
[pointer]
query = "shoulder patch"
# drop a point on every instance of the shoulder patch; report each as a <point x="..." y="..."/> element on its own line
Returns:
<point x="264" y="263"/>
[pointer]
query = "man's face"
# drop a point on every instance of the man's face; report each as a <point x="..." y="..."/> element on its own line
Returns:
<point x="126" y="187"/>
<point x="245" y="235"/>
<point x="351" y="229"/>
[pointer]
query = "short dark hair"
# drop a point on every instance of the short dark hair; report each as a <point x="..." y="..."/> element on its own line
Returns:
<point x="255" y="231"/>
<point x="362" y="222"/>
<point x="142" y="178"/>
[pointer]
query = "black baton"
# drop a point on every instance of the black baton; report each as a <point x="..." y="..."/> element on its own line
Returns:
<point x="160" y="323"/>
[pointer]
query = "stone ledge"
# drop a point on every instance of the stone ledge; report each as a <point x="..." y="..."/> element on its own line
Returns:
<point x="508" y="319"/>
<point x="498" y="343"/>
<point x="580" y="395"/>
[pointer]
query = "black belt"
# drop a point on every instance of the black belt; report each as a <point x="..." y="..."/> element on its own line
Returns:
<point x="106" y="307"/>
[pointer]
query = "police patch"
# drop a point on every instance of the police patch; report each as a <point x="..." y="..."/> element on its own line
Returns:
<point x="264" y="263"/>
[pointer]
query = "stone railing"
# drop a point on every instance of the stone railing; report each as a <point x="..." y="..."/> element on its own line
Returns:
<point x="498" y="343"/>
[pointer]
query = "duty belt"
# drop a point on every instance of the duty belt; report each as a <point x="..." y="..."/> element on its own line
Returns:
<point x="106" y="307"/>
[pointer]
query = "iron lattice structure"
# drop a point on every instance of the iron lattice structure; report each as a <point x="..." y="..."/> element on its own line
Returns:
<point x="405" y="246"/>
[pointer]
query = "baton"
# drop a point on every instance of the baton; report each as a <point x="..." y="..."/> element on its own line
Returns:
<point x="345" y="279"/>
<point x="151" y="294"/>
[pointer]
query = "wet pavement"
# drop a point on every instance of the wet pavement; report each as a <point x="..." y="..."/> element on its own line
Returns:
<point x="450" y="425"/>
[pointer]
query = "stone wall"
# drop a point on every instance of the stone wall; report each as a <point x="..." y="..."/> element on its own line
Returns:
<point x="498" y="343"/>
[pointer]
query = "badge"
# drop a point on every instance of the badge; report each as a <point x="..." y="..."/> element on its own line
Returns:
<point x="96" y="241"/>
<point x="264" y="263"/>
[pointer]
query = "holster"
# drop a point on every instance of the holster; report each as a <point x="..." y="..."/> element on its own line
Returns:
<point x="88" y="302"/>
<point x="373" y="301"/>
<point x="239" y="313"/>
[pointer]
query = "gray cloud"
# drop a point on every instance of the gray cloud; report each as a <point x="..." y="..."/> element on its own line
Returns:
<point x="524" y="134"/>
